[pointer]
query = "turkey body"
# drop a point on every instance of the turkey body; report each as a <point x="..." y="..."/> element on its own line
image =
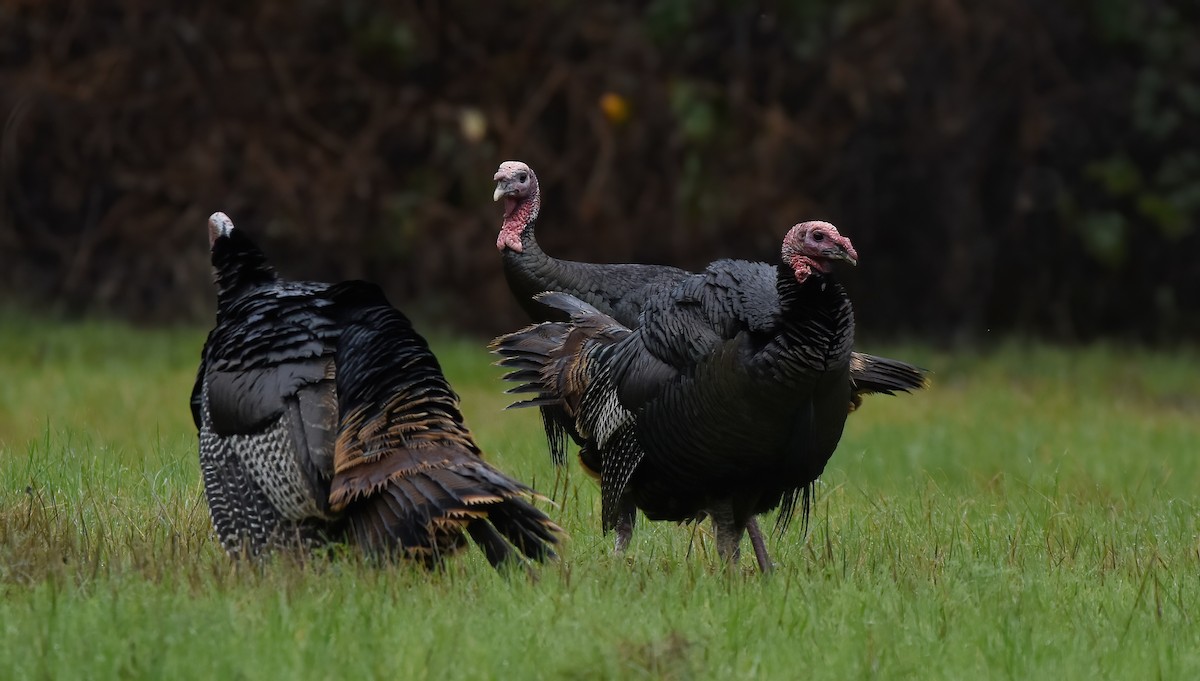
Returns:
<point x="264" y="403"/>
<point x="727" y="401"/>
<point x="739" y="395"/>
<point x="323" y="416"/>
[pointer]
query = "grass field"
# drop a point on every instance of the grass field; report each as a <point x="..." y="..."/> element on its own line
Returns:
<point x="1033" y="515"/>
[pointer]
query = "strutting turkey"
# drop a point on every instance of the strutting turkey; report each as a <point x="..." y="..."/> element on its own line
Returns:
<point x="621" y="291"/>
<point x="726" y="402"/>
<point x="324" y="416"/>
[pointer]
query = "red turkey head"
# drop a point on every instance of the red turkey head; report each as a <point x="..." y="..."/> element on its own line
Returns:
<point x="814" y="247"/>
<point x="518" y="186"/>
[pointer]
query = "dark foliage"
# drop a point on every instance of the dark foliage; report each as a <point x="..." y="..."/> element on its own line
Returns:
<point x="1028" y="165"/>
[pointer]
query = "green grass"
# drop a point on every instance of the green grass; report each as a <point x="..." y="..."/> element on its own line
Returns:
<point x="1033" y="515"/>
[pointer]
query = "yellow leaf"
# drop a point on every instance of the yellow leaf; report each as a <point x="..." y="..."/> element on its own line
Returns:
<point x="615" y="108"/>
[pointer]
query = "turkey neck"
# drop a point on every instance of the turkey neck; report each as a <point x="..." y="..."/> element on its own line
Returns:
<point x="239" y="265"/>
<point x="521" y="221"/>
<point x="533" y="271"/>
<point x="818" y="320"/>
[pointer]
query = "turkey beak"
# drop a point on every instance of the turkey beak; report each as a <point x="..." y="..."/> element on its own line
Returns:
<point x="503" y="185"/>
<point x="844" y="252"/>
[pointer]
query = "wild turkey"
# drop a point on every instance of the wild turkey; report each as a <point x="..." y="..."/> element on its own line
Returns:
<point x="726" y="402"/>
<point x="621" y="291"/>
<point x="323" y="416"/>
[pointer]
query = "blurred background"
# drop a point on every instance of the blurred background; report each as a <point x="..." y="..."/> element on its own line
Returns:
<point x="1022" y="167"/>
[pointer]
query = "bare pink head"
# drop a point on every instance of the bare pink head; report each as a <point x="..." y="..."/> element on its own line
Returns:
<point x="219" y="225"/>
<point x="518" y="186"/>
<point x="814" y="247"/>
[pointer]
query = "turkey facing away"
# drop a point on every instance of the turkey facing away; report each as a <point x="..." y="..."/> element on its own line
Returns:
<point x="323" y="416"/>
<point x="621" y="291"/>
<point x="726" y="402"/>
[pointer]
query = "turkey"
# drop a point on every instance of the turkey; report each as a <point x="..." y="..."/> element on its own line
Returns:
<point x="621" y="291"/>
<point x="726" y="402"/>
<point x="323" y="416"/>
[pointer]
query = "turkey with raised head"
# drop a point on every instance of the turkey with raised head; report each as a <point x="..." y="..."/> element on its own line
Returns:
<point x="621" y="291"/>
<point x="324" y="416"/>
<point x="726" y="402"/>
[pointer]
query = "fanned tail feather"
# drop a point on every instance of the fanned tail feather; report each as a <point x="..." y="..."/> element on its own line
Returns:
<point x="407" y="472"/>
<point x="527" y="352"/>
<point x="543" y="359"/>
<point x="422" y="514"/>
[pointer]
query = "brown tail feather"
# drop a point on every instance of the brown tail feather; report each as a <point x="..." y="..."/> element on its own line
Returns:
<point x="494" y="547"/>
<point x="527" y="353"/>
<point x="422" y="513"/>
<point x="548" y="361"/>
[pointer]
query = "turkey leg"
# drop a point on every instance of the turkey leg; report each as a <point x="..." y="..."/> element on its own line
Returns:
<point x="624" y="528"/>
<point x="728" y="530"/>
<point x="760" y="546"/>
